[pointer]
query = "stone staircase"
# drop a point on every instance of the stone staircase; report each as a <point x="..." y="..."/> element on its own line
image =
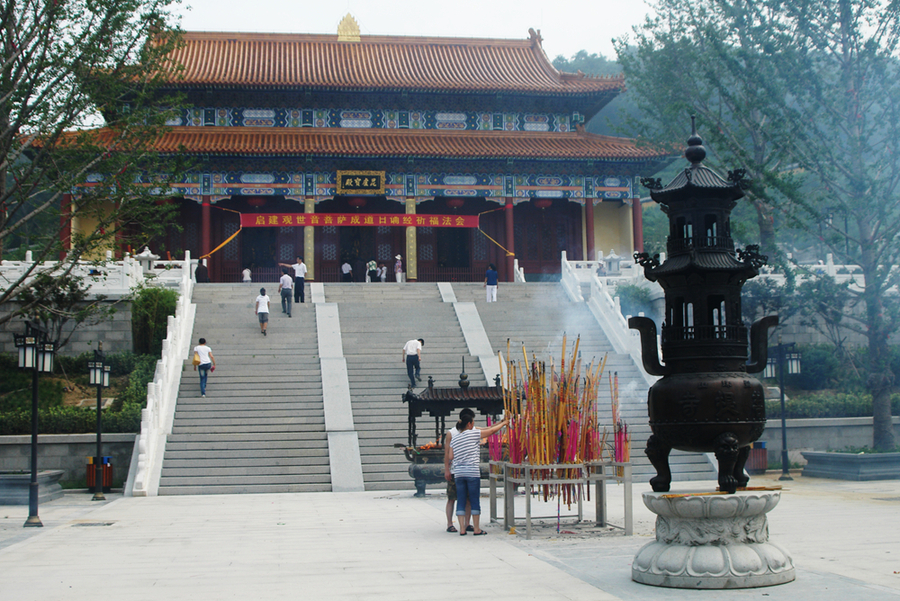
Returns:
<point x="536" y="315"/>
<point x="261" y="426"/>
<point x="376" y="321"/>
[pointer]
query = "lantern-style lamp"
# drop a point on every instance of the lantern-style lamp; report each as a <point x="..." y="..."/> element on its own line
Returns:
<point x="99" y="375"/>
<point x="35" y="353"/>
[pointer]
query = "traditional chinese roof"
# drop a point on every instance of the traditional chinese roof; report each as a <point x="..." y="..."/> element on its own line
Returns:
<point x="269" y="60"/>
<point x="338" y="142"/>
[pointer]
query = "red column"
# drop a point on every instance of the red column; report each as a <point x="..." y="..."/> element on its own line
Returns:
<point x="510" y="240"/>
<point x="205" y="246"/>
<point x="589" y="228"/>
<point x="637" y="223"/>
<point x="65" y="225"/>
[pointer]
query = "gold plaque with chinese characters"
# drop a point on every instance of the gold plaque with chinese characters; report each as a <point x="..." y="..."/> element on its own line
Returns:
<point x="360" y="182"/>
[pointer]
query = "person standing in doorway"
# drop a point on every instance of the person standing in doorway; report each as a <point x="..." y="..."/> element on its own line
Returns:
<point x="284" y="287"/>
<point x="299" y="279"/>
<point x="372" y="271"/>
<point x="346" y="272"/>
<point x="382" y="272"/>
<point x="247" y="275"/>
<point x="207" y="362"/>
<point x="398" y="269"/>
<point x="262" y="310"/>
<point x="412" y="356"/>
<point x="490" y="283"/>
<point x="201" y="274"/>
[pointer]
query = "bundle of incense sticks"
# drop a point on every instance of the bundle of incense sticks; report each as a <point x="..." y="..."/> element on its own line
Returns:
<point x="553" y="416"/>
<point x="621" y="437"/>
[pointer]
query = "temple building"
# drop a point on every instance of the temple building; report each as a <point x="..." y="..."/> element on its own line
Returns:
<point x="452" y="153"/>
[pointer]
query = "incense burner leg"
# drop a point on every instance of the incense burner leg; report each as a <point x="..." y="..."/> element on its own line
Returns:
<point x="739" y="474"/>
<point x="658" y="454"/>
<point x="726" y="447"/>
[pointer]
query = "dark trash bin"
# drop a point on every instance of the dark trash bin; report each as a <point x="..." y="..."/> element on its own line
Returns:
<point x="758" y="462"/>
<point x="107" y="473"/>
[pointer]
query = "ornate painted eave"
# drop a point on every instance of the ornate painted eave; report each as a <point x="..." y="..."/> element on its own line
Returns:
<point x="319" y="142"/>
<point x="421" y="64"/>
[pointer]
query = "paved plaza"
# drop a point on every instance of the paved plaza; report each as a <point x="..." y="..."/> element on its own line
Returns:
<point x="844" y="538"/>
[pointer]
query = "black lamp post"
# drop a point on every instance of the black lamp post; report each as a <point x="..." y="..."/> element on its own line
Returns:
<point x="779" y="355"/>
<point x="99" y="372"/>
<point x="36" y="354"/>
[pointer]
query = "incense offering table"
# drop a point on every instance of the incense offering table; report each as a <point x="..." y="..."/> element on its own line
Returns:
<point x="427" y="467"/>
<point x="527" y="475"/>
<point x="712" y="541"/>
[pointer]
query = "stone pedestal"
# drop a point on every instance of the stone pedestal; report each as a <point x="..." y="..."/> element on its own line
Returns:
<point x="712" y="542"/>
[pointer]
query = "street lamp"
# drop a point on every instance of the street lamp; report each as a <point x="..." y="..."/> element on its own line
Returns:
<point x="99" y="372"/>
<point x="779" y="355"/>
<point x="36" y="354"/>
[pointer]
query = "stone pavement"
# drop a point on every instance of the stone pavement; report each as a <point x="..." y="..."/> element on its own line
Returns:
<point x="844" y="538"/>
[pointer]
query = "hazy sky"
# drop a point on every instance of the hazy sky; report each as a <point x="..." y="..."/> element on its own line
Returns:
<point x="567" y="26"/>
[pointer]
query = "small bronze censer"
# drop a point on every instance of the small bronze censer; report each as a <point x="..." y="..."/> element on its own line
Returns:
<point x="706" y="400"/>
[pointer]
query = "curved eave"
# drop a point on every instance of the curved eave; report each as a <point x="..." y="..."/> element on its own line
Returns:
<point x="375" y="63"/>
<point x="401" y="143"/>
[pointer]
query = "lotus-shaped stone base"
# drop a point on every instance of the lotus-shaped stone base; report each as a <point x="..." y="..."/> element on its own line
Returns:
<point x="712" y="542"/>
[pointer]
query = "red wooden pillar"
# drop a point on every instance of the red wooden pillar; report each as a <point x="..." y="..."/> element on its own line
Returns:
<point x="637" y="224"/>
<point x="589" y="229"/>
<point x="510" y="240"/>
<point x="65" y="225"/>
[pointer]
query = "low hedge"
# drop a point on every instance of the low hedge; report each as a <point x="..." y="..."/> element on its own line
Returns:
<point x="828" y="405"/>
<point x="72" y="420"/>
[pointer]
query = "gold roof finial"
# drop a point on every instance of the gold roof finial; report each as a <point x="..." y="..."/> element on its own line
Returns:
<point x="348" y="29"/>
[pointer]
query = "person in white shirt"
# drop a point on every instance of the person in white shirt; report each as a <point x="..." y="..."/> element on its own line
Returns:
<point x="247" y="275"/>
<point x="207" y="362"/>
<point x="346" y="272"/>
<point x="284" y="287"/>
<point x="299" y="279"/>
<point x="382" y="273"/>
<point x="398" y="269"/>
<point x="262" y="310"/>
<point x="412" y="355"/>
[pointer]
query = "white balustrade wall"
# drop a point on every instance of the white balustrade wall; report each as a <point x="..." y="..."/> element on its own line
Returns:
<point x="162" y="392"/>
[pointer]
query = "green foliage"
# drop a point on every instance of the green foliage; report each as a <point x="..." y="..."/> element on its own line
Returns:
<point x="149" y="310"/>
<point x="821" y="368"/>
<point x="656" y="229"/>
<point x="54" y="301"/>
<point x="828" y="405"/>
<point x="120" y="364"/>
<point x="136" y="392"/>
<point x="591" y="64"/>
<point x="72" y="420"/>
<point x="72" y="63"/>
<point x="634" y="300"/>
<point x="15" y="392"/>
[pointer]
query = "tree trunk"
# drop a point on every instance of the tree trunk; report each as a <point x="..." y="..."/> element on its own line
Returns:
<point x="766" y="222"/>
<point x="880" y="379"/>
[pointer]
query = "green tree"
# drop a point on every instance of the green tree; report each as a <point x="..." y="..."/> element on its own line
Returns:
<point x="66" y="67"/>
<point x="56" y="302"/>
<point x="811" y="90"/>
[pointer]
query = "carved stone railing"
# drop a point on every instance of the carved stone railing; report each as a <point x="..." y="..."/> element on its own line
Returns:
<point x="162" y="392"/>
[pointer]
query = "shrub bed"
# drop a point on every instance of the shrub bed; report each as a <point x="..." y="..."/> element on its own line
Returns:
<point x="825" y="404"/>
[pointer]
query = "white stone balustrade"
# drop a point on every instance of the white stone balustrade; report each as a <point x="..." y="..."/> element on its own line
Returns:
<point x="162" y="392"/>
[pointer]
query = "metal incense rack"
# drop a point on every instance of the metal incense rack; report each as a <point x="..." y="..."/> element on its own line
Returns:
<point x="594" y="472"/>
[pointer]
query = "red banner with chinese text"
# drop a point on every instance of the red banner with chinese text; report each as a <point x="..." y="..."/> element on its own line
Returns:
<point x="355" y="219"/>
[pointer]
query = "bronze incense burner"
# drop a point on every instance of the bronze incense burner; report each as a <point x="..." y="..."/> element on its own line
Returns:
<point x="706" y="401"/>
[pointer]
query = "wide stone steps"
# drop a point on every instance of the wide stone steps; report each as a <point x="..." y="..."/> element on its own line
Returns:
<point x="261" y="426"/>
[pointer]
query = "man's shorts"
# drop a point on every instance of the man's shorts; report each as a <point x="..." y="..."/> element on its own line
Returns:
<point x="263" y="317"/>
<point x="451" y="489"/>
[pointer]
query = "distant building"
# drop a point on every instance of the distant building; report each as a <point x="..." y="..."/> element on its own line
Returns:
<point x="406" y="133"/>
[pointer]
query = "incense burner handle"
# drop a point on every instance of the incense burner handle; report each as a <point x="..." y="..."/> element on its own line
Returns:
<point x="759" y="343"/>
<point x="649" y="349"/>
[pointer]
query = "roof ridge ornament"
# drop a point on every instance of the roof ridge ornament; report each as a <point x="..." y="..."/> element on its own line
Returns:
<point x="535" y="36"/>
<point x="348" y="29"/>
<point x="695" y="152"/>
